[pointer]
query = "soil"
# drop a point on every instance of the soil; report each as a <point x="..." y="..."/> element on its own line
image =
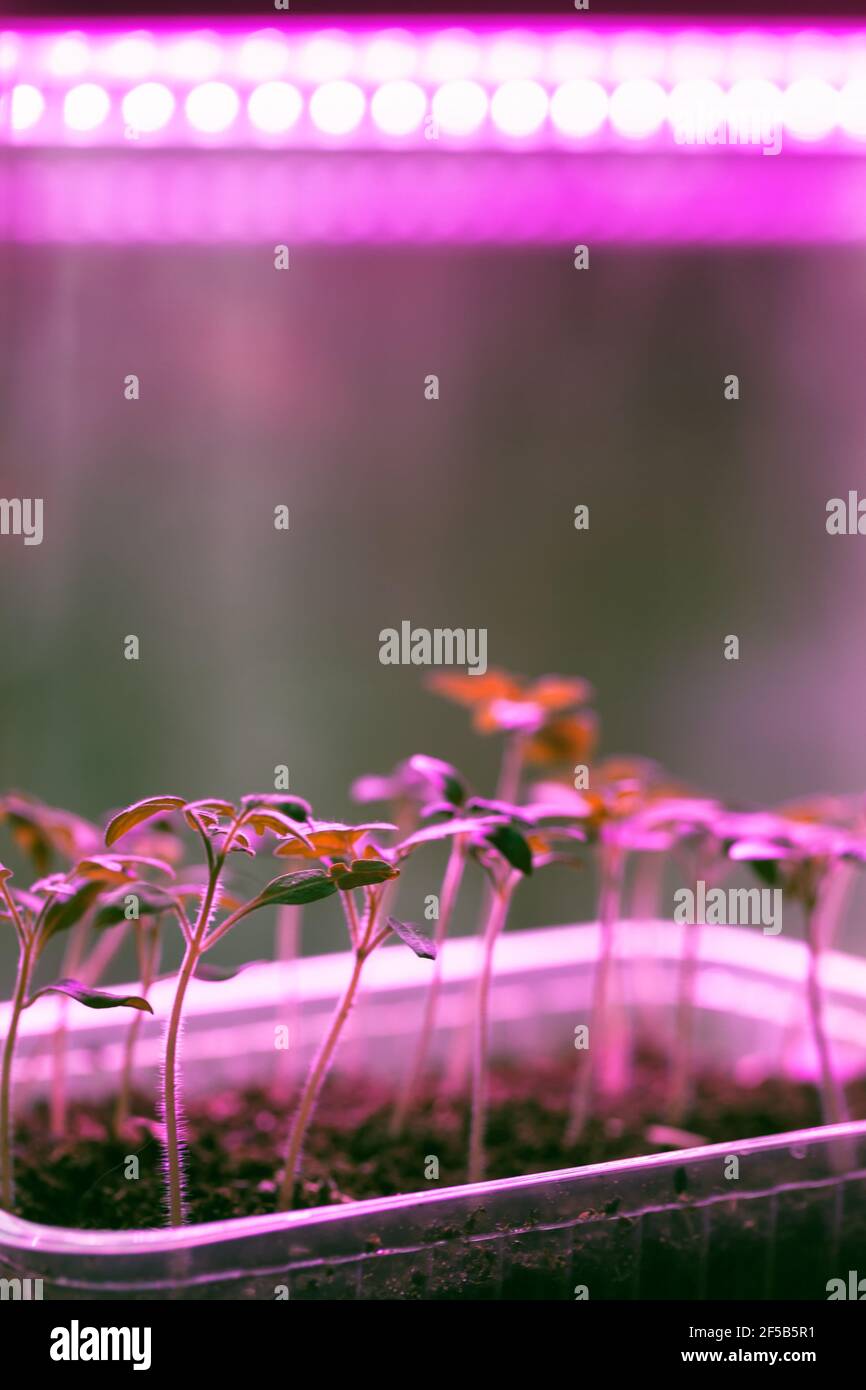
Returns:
<point x="235" y="1142"/>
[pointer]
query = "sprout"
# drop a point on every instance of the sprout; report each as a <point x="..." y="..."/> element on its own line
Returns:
<point x="802" y="854"/>
<point x="50" y="907"/>
<point x="223" y="829"/>
<point x="544" y="720"/>
<point x="347" y="867"/>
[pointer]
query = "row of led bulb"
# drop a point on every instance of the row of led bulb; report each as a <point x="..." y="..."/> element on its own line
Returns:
<point x="809" y="109"/>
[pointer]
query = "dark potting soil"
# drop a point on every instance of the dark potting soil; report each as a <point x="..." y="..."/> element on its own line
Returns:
<point x="235" y="1142"/>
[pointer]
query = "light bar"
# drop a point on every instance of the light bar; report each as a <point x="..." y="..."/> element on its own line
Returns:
<point x="585" y="87"/>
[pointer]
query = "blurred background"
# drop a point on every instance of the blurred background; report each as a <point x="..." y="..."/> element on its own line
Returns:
<point x="557" y="388"/>
<point x="261" y="647"/>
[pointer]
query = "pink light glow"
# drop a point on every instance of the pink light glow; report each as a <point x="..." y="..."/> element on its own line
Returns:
<point x="460" y="107"/>
<point x="579" y="108"/>
<point x="487" y="86"/>
<point x="263" y="57"/>
<point x="212" y="107"/>
<point x="852" y="108"/>
<point x="389" y="56"/>
<point x="274" y="107"/>
<point x="132" y="57"/>
<point x="27" y="106"/>
<point x="637" y="108"/>
<point x="398" y="107"/>
<point x="519" y="107"/>
<point x="148" y="107"/>
<point x="68" y="56"/>
<point x="85" y="107"/>
<point x="337" y="107"/>
<point x="147" y="191"/>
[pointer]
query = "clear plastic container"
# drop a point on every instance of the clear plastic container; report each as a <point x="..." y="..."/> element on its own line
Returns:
<point x="671" y="1225"/>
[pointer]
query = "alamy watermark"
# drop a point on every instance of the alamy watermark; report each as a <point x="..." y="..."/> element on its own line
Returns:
<point x="733" y="907"/>
<point x="77" y="1343"/>
<point x="22" y="516"/>
<point x="438" y="646"/>
<point x="747" y="127"/>
<point x="20" y="1290"/>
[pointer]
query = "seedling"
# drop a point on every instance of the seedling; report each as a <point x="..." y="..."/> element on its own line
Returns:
<point x="223" y="829"/>
<point x="508" y="852"/>
<point x="51" y="906"/>
<point x="803" y="857"/>
<point x="347" y="868"/>
<point x="545" y="722"/>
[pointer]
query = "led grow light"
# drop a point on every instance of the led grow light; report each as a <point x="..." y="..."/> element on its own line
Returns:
<point x="553" y="88"/>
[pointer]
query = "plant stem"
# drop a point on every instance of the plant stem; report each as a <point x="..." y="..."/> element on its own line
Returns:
<point x="71" y="965"/>
<point x="148" y="951"/>
<point x="450" y="888"/>
<point x="511" y="767"/>
<point x="287" y="951"/>
<point x="481" y="1030"/>
<point x="25" y="963"/>
<point x="833" y="1105"/>
<point x="313" y="1087"/>
<point x="171" y="1098"/>
<point x="610" y="864"/>
<point x="681" y="1072"/>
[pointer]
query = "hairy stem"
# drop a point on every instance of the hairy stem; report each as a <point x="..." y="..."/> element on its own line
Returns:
<point x="313" y="1086"/>
<point x="481" y="1031"/>
<point x="148" y="955"/>
<point x="587" y="1072"/>
<point x="19" y="1000"/>
<point x="834" y="1109"/>
<point x="450" y="889"/>
<point x="171" y="1098"/>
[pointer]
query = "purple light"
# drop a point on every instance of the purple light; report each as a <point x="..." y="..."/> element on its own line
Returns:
<point x="325" y="58"/>
<point x="605" y="86"/>
<point x="212" y="107"/>
<point x="263" y="57"/>
<point x="27" y="106"/>
<point x="519" y="107"/>
<point x="389" y="57"/>
<point x="193" y="59"/>
<point x="852" y="108"/>
<point x="398" y="107"/>
<point x="275" y="107"/>
<point x="451" y="56"/>
<point x="148" y="107"/>
<point x="810" y="108"/>
<point x="85" y="107"/>
<point x="460" y="107"/>
<point x="430" y="196"/>
<point x="337" y="107"/>
<point x="69" y="56"/>
<point x="638" y="108"/>
<point x="132" y="58"/>
<point x="579" y="108"/>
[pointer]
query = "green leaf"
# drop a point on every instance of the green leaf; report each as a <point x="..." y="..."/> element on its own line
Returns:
<point x="302" y="886"/>
<point x="363" y="873"/>
<point x="767" y="870"/>
<point x="93" y="998"/>
<point x="65" y="912"/>
<point x="151" y="902"/>
<point x="442" y="776"/>
<point x="512" y="846"/>
<point x="217" y="974"/>
<point x="141" y="811"/>
<point x="420" y="944"/>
